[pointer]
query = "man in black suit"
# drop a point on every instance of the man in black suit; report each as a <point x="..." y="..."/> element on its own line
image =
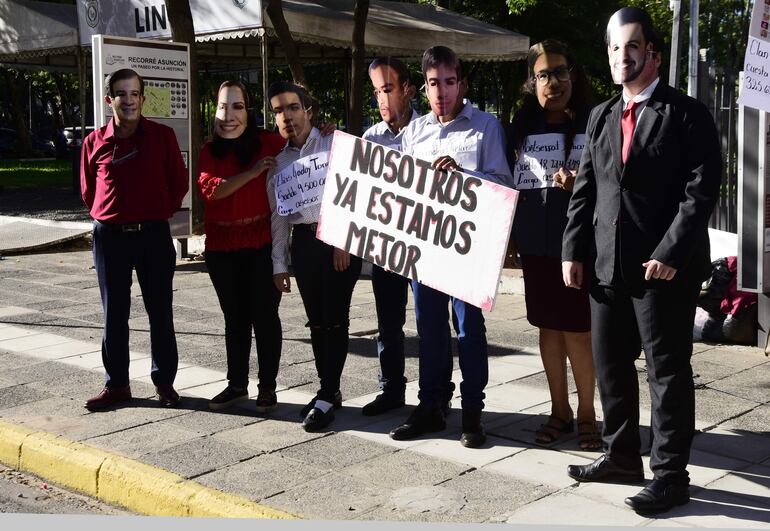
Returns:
<point x="648" y="181"/>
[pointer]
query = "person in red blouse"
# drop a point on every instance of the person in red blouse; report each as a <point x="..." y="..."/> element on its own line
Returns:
<point x="238" y="243"/>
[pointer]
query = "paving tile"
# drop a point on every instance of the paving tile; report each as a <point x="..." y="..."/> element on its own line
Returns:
<point x="736" y="444"/>
<point x="404" y="467"/>
<point x="714" y="508"/>
<point x="262" y="476"/>
<point x="336" y="451"/>
<point x="147" y="438"/>
<point x="751" y="384"/>
<point x="268" y="435"/>
<point x="752" y="482"/>
<point x="71" y="347"/>
<point x="546" y="467"/>
<point x="331" y="497"/>
<point x="208" y="422"/>
<point x="757" y="421"/>
<point x="448" y="448"/>
<point x="566" y="508"/>
<point x="7" y="311"/>
<point x="199" y="456"/>
<point x="16" y="332"/>
<point x="515" y="396"/>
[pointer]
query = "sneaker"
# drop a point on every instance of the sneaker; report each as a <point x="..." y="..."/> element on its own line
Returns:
<point x="266" y="402"/>
<point x="307" y="407"/>
<point x="381" y="404"/>
<point x="228" y="397"/>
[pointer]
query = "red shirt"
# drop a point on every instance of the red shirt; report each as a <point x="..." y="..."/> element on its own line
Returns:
<point x="134" y="179"/>
<point x="242" y="219"/>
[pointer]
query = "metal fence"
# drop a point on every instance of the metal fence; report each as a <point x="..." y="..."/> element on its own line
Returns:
<point x="720" y="93"/>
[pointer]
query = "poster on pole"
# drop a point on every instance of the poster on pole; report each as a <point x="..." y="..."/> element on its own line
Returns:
<point x="164" y="66"/>
<point x="447" y="230"/>
<point x="755" y="85"/>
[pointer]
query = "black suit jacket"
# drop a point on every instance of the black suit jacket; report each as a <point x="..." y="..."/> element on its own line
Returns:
<point x="658" y="204"/>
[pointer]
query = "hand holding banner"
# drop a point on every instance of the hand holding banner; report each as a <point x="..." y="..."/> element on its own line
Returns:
<point x="448" y="230"/>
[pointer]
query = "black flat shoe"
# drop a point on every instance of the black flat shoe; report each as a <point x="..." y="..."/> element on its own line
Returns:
<point x="473" y="431"/>
<point x="659" y="496"/>
<point x="310" y="405"/>
<point x="317" y="420"/>
<point x="605" y="471"/>
<point x="421" y="421"/>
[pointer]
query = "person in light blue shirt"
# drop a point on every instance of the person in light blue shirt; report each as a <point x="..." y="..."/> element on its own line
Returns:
<point x="393" y="91"/>
<point x="454" y="136"/>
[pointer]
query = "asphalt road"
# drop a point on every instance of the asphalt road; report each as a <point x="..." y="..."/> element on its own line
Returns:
<point x="24" y="493"/>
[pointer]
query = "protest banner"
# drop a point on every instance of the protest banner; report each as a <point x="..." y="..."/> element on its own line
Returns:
<point x="447" y="230"/>
<point x="541" y="156"/>
<point x="300" y="184"/>
<point x="755" y="85"/>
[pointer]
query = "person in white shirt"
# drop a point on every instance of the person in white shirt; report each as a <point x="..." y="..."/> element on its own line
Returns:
<point x="325" y="275"/>
<point x="454" y="136"/>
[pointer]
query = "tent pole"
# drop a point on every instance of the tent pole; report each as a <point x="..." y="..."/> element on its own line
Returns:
<point x="263" y="52"/>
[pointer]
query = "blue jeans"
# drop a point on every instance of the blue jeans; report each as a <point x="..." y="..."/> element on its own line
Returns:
<point x="390" y="297"/>
<point x="435" y="365"/>
<point x="151" y="252"/>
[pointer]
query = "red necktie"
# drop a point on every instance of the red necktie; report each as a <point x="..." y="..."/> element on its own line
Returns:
<point x="627" y="125"/>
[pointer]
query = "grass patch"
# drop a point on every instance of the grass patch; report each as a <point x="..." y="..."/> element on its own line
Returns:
<point x="34" y="174"/>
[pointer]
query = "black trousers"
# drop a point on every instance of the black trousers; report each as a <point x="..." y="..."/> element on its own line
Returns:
<point x="660" y="320"/>
<point x="326" y="295"/>
<point x="243" y="280"/>
<point x="390" y="299"/>
<point x="117" y="253"/>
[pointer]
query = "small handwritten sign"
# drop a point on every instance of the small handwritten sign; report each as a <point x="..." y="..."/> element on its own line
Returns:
<point x="541" y="157"/>
<point x="301" y="184"/>
<point x="755" y="86"/>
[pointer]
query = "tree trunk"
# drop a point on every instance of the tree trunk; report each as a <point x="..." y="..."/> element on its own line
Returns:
<point x="182" y="30"/>
<point x="275" y="12"/>
<point x="355" y="112"/>
<point x="64" y="104"/>
<point x="15" y="82"/>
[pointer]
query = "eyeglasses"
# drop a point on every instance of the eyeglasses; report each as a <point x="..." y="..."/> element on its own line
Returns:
<point x="561" y="74"/>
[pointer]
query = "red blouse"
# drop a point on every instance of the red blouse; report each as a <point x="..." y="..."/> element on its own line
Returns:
<point x="242" y="219"/>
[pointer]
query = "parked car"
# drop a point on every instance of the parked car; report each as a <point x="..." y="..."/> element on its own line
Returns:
<point x="72" y="134"/>
<point x="8" y="144"/>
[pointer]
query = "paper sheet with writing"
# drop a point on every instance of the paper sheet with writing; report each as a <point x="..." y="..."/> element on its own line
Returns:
<point x="541" y="157"/>
<point x="301" y="184"/>
<point x="755" y="87"/>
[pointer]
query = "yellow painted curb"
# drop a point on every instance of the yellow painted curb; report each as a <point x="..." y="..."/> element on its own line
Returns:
<point x="115" y="479"/>
<point x="11" y="439"/>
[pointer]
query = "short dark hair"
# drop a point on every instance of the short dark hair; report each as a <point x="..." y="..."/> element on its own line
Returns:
<point x="396" y="64"/>
<point x="441" y="55"/>
<point x="119" y="75"/>
<point x="279" y="87"/>
<point x="636" y="15"/>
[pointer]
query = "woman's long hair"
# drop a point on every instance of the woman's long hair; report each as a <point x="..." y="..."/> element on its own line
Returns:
<point x="531" y="116"/>
<point x="245" y="146"/>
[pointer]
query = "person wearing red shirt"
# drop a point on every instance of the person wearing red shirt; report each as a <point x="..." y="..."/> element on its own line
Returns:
<point x="238" y="244"/>
<point x="133" y="179"/>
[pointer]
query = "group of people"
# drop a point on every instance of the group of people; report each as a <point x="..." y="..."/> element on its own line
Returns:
<point x="613" y="244"/>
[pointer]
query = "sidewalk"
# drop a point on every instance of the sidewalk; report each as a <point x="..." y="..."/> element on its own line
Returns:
<point x="50" y="363"/>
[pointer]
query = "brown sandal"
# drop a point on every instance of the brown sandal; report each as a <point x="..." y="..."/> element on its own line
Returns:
<point x="553" y="429"/>
<point x="589" y="436"/>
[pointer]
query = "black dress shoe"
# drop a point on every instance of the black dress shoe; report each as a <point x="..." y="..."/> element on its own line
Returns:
<point x="606" y="471"/>
<point x="167" y="396"/>
<point x="317" y="420"/>
<point x="310" y="405"/>
<point x="109" y="396"/>
<point x="659" y="496"/>
<point x="382" y="403"/>
<point x="422" y="420"/>
<point x="473" y="431"/>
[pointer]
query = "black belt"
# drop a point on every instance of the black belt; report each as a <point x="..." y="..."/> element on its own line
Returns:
<point x="133" y="227"/>
<point x="307" y="227"/>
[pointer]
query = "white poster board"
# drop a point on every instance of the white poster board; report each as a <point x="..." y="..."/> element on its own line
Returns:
<point x="541" y="157"/>
<point x="164" y="66"/>
<point x="301" y="183"/>
<point x="148" y="19"/>
<point x="755" y="86"/>
<point x="447" y="230"/>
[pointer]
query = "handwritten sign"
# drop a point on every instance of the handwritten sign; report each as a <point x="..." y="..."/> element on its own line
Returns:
<point x="301" y="184"/>
<point x="447" y="230"/>
<point x="755" y="87"/>
<point x="542" y="156"/>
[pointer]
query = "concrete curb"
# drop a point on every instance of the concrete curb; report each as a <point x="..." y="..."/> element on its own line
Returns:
<point x="118" y="480"/>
